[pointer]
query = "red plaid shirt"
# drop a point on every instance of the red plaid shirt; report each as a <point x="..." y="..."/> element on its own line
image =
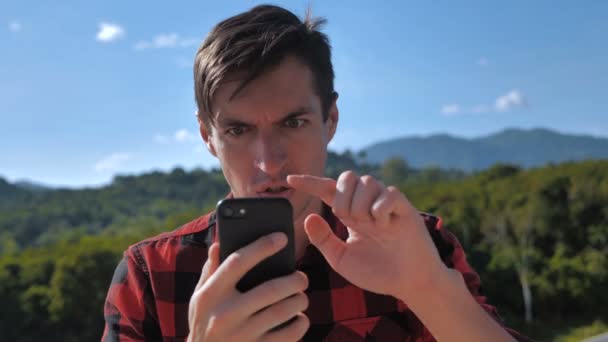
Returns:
<point x="151" y="288"/>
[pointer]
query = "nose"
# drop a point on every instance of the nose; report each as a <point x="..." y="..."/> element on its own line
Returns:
<point x="271" y="155"/>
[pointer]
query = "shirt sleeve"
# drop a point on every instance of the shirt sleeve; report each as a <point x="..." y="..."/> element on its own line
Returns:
<point x="129" y="307"/>
<point x="459" y="262"/>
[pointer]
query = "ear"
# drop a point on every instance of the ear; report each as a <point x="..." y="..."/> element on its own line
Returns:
<point x="205" y="134"/>
<point x="332" y="118"/>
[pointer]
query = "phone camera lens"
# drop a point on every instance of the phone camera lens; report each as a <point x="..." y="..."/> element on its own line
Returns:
<point x="228" y="212"/>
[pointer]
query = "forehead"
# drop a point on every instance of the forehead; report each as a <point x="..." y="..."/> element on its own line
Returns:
<point x="276" y="91"/>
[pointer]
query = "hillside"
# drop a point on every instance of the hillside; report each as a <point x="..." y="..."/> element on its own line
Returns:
<point x="527" y="148"/>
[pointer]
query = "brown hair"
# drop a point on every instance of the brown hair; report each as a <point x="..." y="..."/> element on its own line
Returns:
<point x="255" y="41"/>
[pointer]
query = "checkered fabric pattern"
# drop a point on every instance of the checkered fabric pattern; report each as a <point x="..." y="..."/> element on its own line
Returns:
<point x="152" y="285"/>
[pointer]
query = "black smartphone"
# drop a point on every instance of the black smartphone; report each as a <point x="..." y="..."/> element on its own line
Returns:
<point x="241" y="221"/>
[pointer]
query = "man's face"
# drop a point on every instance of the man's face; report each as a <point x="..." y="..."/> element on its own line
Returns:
<point x="272" y="128"/>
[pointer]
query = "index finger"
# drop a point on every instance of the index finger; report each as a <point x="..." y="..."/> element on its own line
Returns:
<point x="322" y="187"/>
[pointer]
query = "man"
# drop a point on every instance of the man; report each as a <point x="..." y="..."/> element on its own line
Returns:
<point x="370" y="267"/>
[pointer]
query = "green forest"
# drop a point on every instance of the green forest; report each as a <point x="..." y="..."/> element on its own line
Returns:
<point x="537" y="237"/>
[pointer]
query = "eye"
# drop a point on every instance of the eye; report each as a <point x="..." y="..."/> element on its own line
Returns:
<point x="294" y="123"/>
<point x="236" y="130"/>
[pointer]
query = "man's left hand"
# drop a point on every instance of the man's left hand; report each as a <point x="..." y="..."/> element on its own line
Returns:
<point x="388" y="250"/>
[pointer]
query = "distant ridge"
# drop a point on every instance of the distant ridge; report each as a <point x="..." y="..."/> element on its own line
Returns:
<point x="32" y="186"/>
<point x="527" y="148"/>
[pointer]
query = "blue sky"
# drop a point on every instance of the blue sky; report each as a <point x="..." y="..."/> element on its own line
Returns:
<point x="89" y="89"/>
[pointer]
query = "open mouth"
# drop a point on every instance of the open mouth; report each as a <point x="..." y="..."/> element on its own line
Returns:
<point x="276" y="191"/>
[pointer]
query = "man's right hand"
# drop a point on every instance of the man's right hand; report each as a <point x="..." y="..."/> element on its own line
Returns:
<point x="219" y="312"/>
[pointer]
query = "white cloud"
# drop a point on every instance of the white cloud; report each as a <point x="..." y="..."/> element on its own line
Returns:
<point x="166" y="41"/>
<point x="189" y="42"/>
<point x="482" y="62"/>
<point x="183" y="135"/>
<point x="15" y="26"/>
<point x="451" y="109"/>
<point x="112" y="162"/>
<point x="109" y="32"/>
<point x="180" y="136"/>
<point x="512" y="99"/>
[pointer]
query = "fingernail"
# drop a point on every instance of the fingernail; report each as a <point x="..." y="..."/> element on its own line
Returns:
<point x="278" y="239"/>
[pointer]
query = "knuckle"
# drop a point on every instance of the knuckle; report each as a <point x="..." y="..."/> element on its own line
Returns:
<point x="204" y="292"/>
<point x="197" y="298"/>
<point x="235" y="260"/>
<point x="377" y="208"/>
<point x="392" y="191"/>
<point x="204" y="279"/>
<point x="200" y="299"/>
<point x="348" y="176"/>
<point x="368" y="180"/>
<point x="215" y="324"/>
<point x="220" y="317"/>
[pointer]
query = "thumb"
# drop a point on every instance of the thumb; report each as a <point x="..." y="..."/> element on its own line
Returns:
<point x="320" y="234"/>
<point x="211" y="265"/>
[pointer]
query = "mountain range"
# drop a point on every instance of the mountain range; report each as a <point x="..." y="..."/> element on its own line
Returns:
<point x="526" y="148"/>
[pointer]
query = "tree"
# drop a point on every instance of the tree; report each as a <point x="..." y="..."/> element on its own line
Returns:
<point x="511" y="230"/>
<point x="394" y="171"/>
<point x="78" y="289"/>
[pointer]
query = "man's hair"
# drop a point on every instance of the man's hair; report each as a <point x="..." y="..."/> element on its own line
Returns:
<point x="255" y="41"/>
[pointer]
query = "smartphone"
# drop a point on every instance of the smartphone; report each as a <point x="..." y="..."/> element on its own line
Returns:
<point x="241" y="221"/>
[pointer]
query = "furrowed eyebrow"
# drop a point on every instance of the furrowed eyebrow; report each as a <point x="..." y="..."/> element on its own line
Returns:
<point x="228" y="122"/>
<point x="298" y="112"/>
<point x="232" y="122"/>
